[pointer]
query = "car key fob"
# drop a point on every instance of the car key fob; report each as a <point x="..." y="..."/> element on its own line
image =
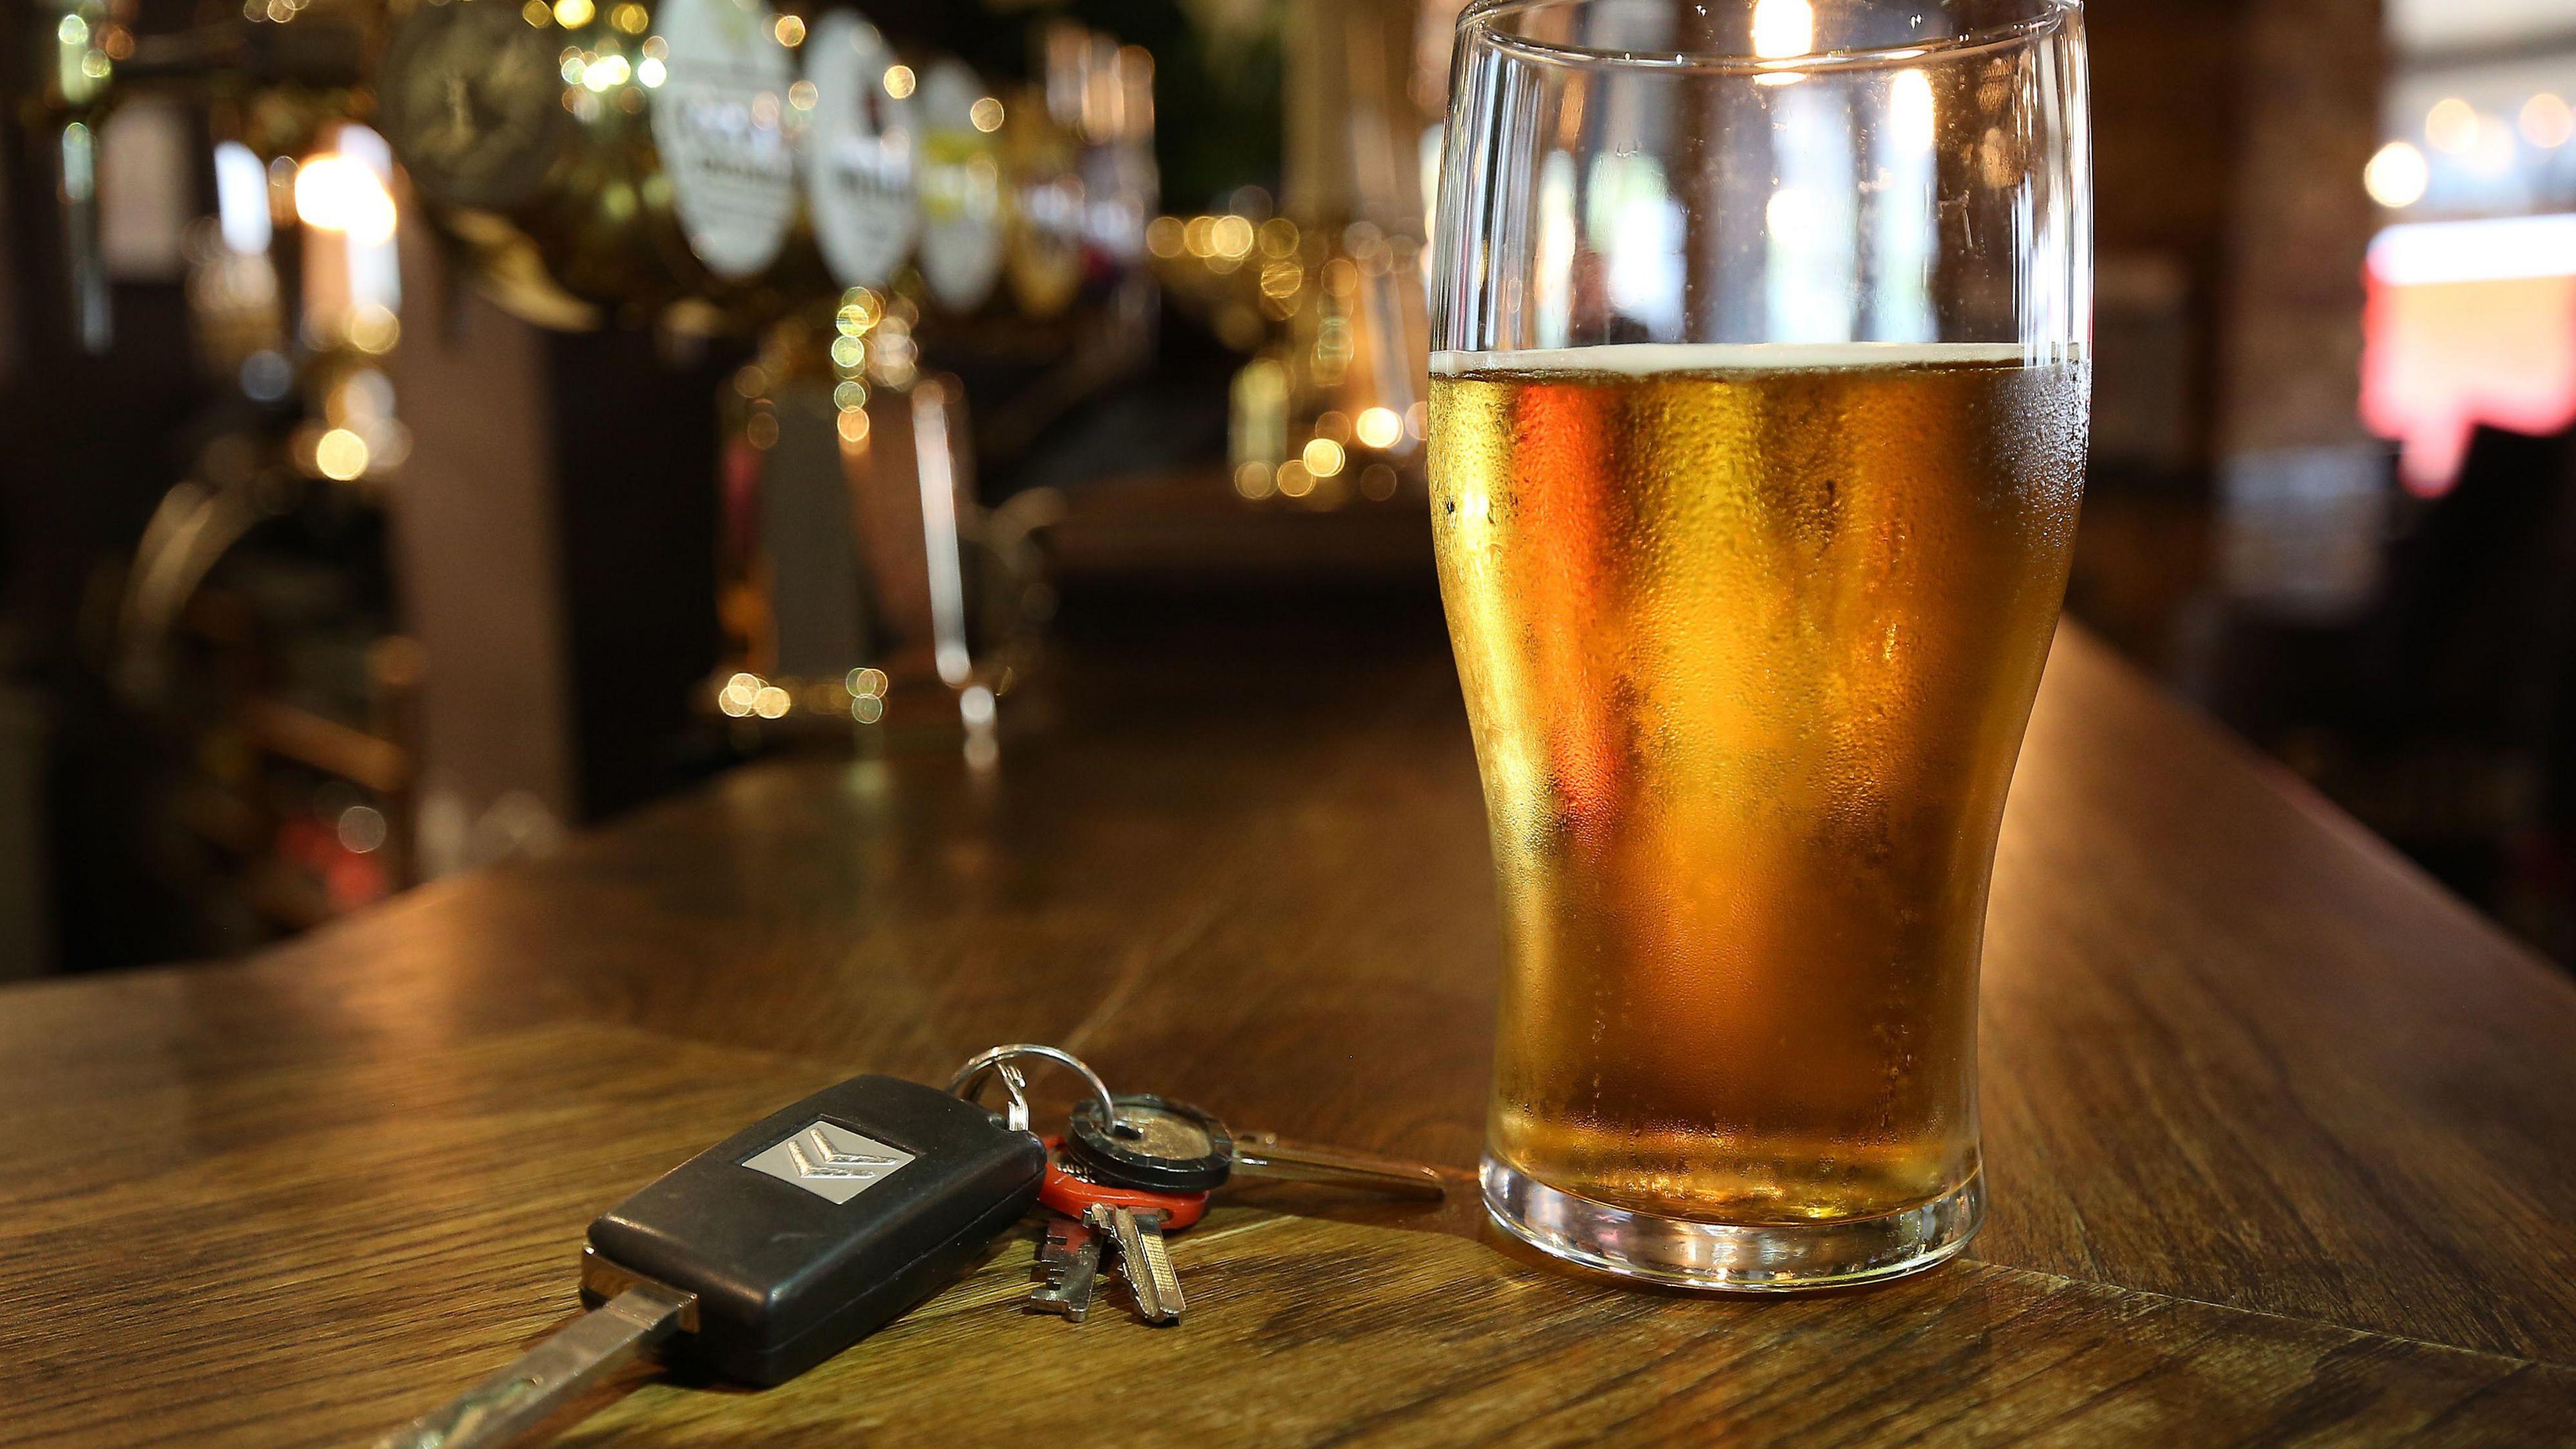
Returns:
<point x="817" y="1225"/>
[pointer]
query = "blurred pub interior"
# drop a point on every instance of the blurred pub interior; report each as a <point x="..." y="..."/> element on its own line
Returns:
<point x="430" y="426"/>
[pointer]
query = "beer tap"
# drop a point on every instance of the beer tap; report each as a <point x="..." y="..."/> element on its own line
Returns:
<point x="86" y="58"/>
<point x="71" y="47"/>
<point x="1327" y="295"/>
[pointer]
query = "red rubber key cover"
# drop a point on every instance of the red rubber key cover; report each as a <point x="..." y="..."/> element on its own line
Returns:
<point x="1067" y="1191"/>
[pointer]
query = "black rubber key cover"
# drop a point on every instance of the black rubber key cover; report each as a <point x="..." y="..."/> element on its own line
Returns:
<point x="1177" y="1147"/>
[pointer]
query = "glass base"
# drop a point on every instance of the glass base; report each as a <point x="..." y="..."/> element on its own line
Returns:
<point x="1735" y="1257"/>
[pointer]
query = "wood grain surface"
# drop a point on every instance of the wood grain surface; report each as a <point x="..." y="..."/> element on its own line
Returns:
<point x="2282" y="1138"/>
<point x="361" y="1236"/>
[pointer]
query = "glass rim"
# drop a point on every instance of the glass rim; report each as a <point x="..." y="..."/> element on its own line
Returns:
<point x="1476" y="26"/>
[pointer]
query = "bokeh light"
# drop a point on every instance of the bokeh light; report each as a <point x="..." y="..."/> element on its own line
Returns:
<point x="334" y="193"/>
<point x="2396" y="176"/>
<point x="2451" y="126"/>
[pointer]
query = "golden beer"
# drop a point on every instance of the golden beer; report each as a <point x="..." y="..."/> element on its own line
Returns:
<point x="1749" y="636"/>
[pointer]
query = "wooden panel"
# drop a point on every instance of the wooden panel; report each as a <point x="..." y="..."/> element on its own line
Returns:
<point x="305" y="1253"/>
<point x="289" y="1255"/>
<point x="1306" y="1331"/>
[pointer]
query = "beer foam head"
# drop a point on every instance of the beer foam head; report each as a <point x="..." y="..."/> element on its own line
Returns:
<point x="1641" y="359"/>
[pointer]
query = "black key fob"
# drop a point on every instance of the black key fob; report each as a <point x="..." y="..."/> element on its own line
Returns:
<point x="822" y="1222"/>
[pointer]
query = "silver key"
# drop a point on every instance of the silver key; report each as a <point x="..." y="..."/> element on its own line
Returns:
<point x="1144" y="1261"/>
<point x="1158" y="1263"/>
<point x="1071" y="1255"/>
<point x="1262" y="1154"/>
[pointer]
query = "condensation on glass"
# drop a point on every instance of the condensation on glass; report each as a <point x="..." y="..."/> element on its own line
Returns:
<point x="1756" y="443"/>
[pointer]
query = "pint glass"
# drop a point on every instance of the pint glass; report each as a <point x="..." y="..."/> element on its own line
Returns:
<point x="1757" y="433"/>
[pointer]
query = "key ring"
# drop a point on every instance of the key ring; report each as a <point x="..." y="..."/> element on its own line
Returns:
<point x="1016" y="1116"/>
<point x="969" y="1081"/>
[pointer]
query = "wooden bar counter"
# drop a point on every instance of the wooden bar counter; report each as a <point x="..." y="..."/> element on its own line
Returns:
<point x="2282" y="1139"/>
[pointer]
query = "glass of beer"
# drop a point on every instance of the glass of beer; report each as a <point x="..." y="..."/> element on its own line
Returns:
<point x="1757" y="434"/>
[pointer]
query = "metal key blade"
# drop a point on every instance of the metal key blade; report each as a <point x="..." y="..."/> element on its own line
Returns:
<point x="1158" y="1265"/>
<point x="548" y="1378"/>
<point x="1133" y="1264"/>
<point x="1262" y="1154"/>
<point x="1072" y="1257"/>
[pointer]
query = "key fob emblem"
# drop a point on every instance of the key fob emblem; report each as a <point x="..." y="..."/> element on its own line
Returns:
<point x="829" y="1160"/>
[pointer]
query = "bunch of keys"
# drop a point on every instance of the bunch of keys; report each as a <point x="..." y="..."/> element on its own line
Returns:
<point x="796" y="1237"/>
<point x="1133" y="1169"/>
